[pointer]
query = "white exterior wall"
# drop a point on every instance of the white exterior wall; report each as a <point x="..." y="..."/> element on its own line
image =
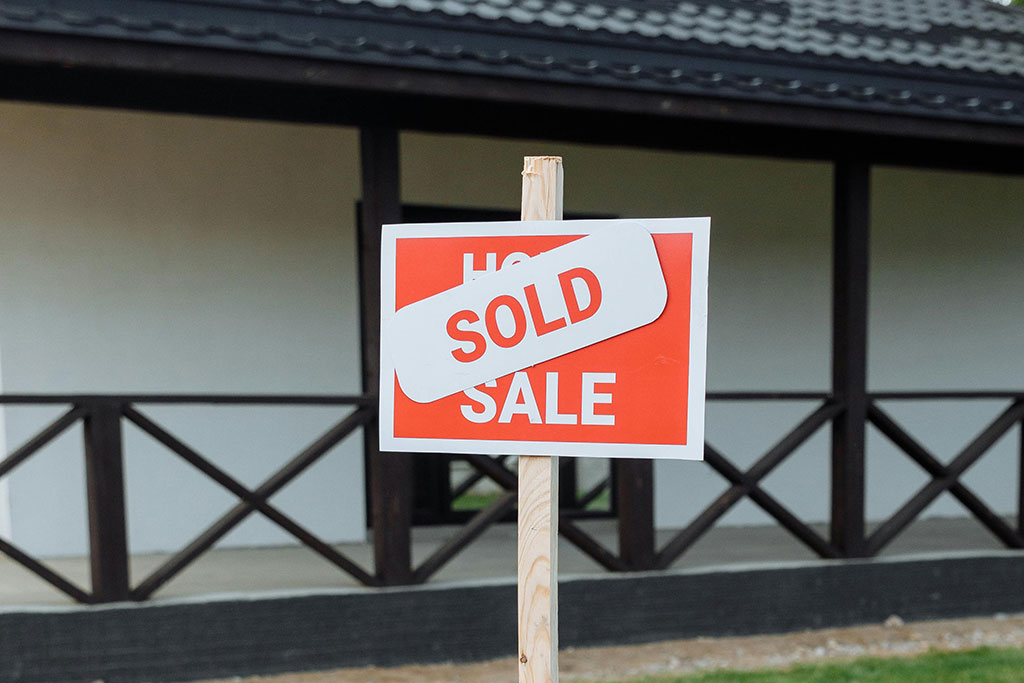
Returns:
<point x="167" y="254"/>
<point x="945" y="306"/>
<point x="947" y="312"/>
<point x="150" y="253"/>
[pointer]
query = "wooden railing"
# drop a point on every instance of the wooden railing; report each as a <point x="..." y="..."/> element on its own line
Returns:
<point x="103" y="418"/>
<point x="947" y="477"/>
<point x="746" y="484"/>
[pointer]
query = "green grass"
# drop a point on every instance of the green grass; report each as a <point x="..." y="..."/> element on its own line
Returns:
<point x="984" y="665"/>
<point x="602" y="502"/>
<point x="474" y="501"/>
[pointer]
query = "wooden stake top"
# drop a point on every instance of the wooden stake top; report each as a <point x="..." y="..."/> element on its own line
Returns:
<point x="542" y="188"/>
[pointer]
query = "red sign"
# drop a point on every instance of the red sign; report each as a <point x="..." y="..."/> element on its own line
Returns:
<point x="545" y="338"/>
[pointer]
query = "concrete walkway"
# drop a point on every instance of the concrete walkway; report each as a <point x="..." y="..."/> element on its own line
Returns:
<point x="493" y="555"/>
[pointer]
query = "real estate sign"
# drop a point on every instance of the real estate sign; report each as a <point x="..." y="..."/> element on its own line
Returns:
<point x="545" y="337"/>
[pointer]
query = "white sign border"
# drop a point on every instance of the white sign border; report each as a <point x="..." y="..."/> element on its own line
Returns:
<point x="700" y="228"/>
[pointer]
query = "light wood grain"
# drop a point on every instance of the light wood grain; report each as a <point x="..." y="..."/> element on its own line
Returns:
<point x="538" y="486"/>
<point x="542" y="189"/>
<point x="538" y="569"/>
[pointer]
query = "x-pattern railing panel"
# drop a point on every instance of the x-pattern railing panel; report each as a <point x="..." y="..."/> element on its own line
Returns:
<point x="17" y="457"/>
<point x="747" y="484"/>
<point x="486" y="467"/>
<point x="251" y="500"/>
<point x="945" y="477"/>
<point x="469" y="532"/>
<point x="494" y="469"/>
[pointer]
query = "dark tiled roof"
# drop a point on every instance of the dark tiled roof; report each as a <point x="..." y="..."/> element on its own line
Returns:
<point x="961" y="59"/>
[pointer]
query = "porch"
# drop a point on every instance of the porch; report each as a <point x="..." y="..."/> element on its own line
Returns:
<point x="621" y="538"/>
<point x="251" y="573"/>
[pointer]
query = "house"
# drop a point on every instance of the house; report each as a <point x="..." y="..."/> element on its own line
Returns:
<point x="179" y="227"/>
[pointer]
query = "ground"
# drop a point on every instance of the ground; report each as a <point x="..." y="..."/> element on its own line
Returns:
<point x="893" y="638"/>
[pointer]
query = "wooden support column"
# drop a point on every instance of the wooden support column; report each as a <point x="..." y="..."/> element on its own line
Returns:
<point x="634" y="483"/>
<point x="1020" y="483"/>
<point x="538" y="486"/>
<point x="568" y="483"/>
<point x="851" y="228"/>
<point x="390" y="473"/>
<point x="104" y="477"/>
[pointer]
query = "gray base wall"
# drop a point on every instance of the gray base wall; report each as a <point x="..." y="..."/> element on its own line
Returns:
<point x="190" y="640"/>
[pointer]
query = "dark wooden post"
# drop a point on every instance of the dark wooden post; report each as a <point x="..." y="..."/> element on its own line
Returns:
<point x="390" y="473"/>
<point x="851" y="227"/>
<point x="1020" y="484"/>
<point x="634" y="484"/>
<point x="567" y="483"/>
<point x="104" y="475"/>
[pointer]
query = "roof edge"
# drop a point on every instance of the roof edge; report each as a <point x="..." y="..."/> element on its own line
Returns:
<point x="89" y="71"/>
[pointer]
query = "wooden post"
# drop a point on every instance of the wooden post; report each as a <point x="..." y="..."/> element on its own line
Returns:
<point x="851" y="226"/>
<point x="538" y="486"/>
<point x="104" y="476"/>
<point x="390" y="473"/>
<point x="1020" y="483"/>
<point x="634" y="486"/>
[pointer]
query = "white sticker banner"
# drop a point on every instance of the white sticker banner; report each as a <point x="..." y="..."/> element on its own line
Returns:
<point x="575" y="295"/>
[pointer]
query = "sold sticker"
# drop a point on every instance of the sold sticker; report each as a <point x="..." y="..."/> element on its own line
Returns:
<point x="562" y="300"/>
<point x="545" y="337"/>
